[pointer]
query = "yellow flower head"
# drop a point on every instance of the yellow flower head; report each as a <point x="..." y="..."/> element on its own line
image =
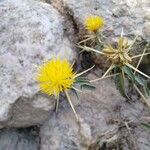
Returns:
<point x="55" y="76"/>
<point x="94" y="23"/>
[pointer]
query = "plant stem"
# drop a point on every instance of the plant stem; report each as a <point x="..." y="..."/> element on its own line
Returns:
<point x="91" y="49"/>
<point x="138" y="71"/>
<point x="76" y="89"/>
<point x="141" y="57"/>
<point x="57" y="103"/>
<point x="123" y="74"/>
<point x="79" y="74"/>
<point x="136" y="56"/>
<point x="108" y="70"/>
<point x="112" y="75"/>
<point x="98" y="38"/>
<point x="132" y="43"/>
<point x="69" y="100"/>
<point x="92" y="37"/>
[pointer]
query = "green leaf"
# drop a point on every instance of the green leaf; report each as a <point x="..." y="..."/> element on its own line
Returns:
<point x="139" y="81"/>
<point x="143" y="84"/>
<point x="136" y="80"/>
<point x="128" y="71"/>
<point x="84" y="83"/>
<point x="119" y="80"/>
<point x="87" y="86"/>
<point x="146" y="90"/>
<point x="82" y="80"/>
<point x="147" y="125"/>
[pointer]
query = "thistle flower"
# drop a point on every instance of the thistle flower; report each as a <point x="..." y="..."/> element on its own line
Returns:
<point x="94" y="23"/>
<point x="122" y="67"/>
<point x="56" y="76"/>
<point x="120" y="54"/>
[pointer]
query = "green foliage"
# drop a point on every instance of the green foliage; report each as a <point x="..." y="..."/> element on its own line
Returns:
<point x="129" y="73"/>
<point x="135" y="79"/>
<point x="120" y="82"/>
<point x="143" y="84"/>
<point x="146" y="125"/>
<point x="120" y="56"/>
<point x="82" y="83"/>
<point x="126" y="72"/>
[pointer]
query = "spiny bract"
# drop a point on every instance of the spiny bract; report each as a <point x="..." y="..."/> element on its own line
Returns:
<point x="94" y="23"/>
<point x="119" y="55"/>
<point x="55" y="76"/>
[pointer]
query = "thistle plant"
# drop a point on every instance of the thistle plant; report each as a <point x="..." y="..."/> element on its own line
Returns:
<point x="94" y="25"/>
<point x="57" y="76"/>
<point x="121" y="67"/>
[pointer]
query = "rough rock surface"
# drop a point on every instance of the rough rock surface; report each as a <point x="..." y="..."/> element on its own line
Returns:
<point x="18" y="139"/>
<point x="132" y="15"/>
<point x="101" y="111"/>
<point x="30" y="33"/>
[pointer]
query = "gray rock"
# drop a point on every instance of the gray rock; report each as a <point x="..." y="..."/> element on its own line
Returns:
<point x="117" y="13"/>
<point x="146" y="30"/>
<point x="147" y="16"/>
<point x="18" y="139"/>
<point x="30" y="33"/>
<point x="101" y="113"/>
<point x="62" y="132"/>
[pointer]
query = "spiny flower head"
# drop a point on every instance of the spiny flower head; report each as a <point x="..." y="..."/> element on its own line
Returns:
<point x="94" y="23"/>
<point x="120" y="54"/>
<point x="55" y="76"/>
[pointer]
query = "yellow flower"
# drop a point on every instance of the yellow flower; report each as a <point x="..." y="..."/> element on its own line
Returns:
<point x="94" y="23"/>
<point x="55" y="76"/>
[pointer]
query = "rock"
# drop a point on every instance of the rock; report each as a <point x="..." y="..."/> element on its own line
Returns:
<point x="147" y="16"/>
<point x="101" y="112"/>
<point x="30" y="33"/>
<point x="118" y="14"/>
<point x="62" y="131"/>
<point x="18" y="139"/>
<point x="146" y="30"/>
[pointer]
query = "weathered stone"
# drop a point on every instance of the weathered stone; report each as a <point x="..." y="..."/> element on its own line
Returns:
<point x="147" y="16"/>
<point x="62" y="131"/>
<point x="18" y="139"/>
<point x="146" y="30"/>
<point x="117" y="13"/>
<point x="30" y="33"/>
<point x="101" y="112"/>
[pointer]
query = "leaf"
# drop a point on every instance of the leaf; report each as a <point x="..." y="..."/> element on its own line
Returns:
<point x="75" y="93"/>
<point x="146" y="90"/>
<point x="143" y="84"/>
<point x="84" y="83"/>
<point x="119" y="80"/>
<point x="87" y="86"/>
<point x="147" y="125"/>
<point x="136" y="80"/>
<point x="82" y="79"/>
<point x="128" y="71"/>
<point x="139" y="81"/>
